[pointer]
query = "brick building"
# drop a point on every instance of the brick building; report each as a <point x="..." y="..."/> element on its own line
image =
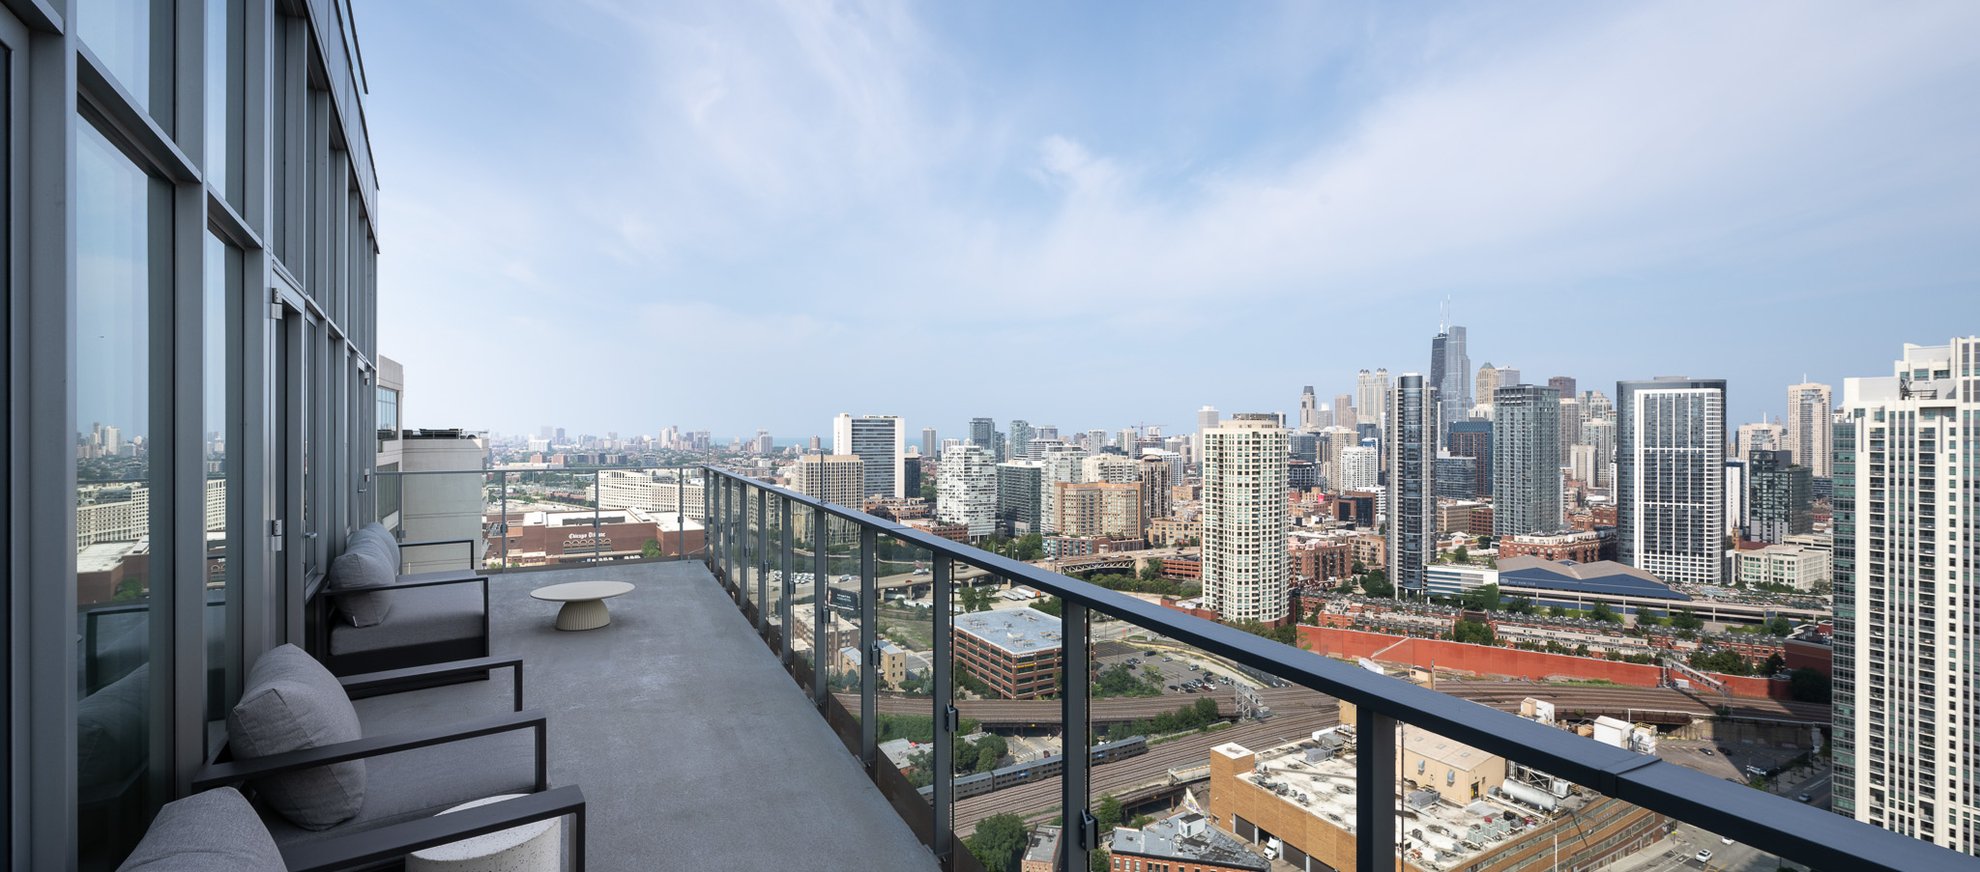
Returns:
<point x="1325" y="559"/>
<point x="1016" y="652"/>
<point x="1579" y="546"/>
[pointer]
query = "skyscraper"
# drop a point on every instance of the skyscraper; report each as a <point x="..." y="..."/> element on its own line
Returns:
<point x="1780" y="497"/>
<point x="1020" y="497"/>
<point x="983" y="433"/>
<point x="1450" y="376"/>
<point x="1810" y="414"/>
<point x="1371" y="396"/>
<point x="1309" y="409"/>
<point x="879" y="442"/>
<point x="1154" y="488"/>
<point x="834" y="478"/>
<point x="966" y="492"/>
<point x="1020" y="441"/>
<point x="1763" y="436"/>
<point x="1345" y="413"/>
<point x="1600" y="434"/>
<point x="1670" y="477"/>
<point x="1905" y="683"/>
<point x="1563" y="385"/>
<point x="1473" y="439"/>
<point x="1359" y="469"/>
<point x="1060" y="463"/>
<point x="1245" y="518"/>
<point x="1526" y="460"/>
<point x="931" y="444"/>
<point x="1487" y="383"/>
<point x="1412" y="481"/>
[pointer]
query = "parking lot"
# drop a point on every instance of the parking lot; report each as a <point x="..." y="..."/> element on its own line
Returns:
<point x="1177" y="671"/>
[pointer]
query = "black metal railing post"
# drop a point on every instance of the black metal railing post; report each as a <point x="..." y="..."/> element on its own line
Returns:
<point x="946" y="721"/>
<point x="1375" y="788"/>
<point x="1078" y="834"/>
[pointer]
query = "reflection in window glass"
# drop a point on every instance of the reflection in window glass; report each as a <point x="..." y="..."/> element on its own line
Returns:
<point x="222" y="47"/>
<point x="121" y="217"/>
<point x="133" y="38"/>
<point x="222" y="271"/>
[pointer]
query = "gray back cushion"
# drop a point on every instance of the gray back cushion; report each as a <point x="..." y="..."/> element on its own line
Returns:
<point x="110" y="735"/>
<point x="291" y="703"/>
<point x="388" y="544"/>
<point x="215" y="831"/>
<point x="361" y="565"/>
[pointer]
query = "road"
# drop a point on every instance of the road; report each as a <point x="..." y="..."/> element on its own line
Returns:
<point x="1033" y="801"/>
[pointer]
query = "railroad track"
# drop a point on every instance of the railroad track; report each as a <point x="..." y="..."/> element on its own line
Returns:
<point x="1035" y="800"/>
<point x="1507" y="694"/>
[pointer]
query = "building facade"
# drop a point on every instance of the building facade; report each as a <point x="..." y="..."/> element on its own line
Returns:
<point x="1411" y="494"/>
<point x="1014" y="652"/>
<point x="879" y="442"/>
<point x="1905" y="686"/>
<point x="1473" y="438"/>
<point x="1526" y="460"/>
<point x="191" y="266"/>
<point x="966" y="492"/>
<point x="1670" y="478"/>
<point x="1245" y="518"/>
<point x="1020" y="497"/>
<point x="1097" y="509"/>
<point x="1807" y="431"/>
<point x="1780" y="497"/>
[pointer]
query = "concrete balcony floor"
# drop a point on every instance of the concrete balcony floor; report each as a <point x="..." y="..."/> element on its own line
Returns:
<point x="694" y="748"/>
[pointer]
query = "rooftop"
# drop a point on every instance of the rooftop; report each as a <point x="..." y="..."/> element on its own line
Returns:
<point x="1187" y="837"/>
<point x="1018" y="631"/>
<point x="1602" y="576"/>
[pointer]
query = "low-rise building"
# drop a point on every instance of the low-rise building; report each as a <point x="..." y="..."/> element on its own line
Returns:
<point x="1578" y="546"/>
<point x="1041" y="854"/>
<point x="1321" y="558"/>
<point x="890" y="669"/>
<point x="1794" y="566"/>
<point x="1014" y="652"/>
<point x="1181" y="842"/>
<point x="546" y="538"/>
<point x="1174" y="531"/>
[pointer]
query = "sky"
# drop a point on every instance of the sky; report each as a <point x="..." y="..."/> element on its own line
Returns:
<point x="619" y="216"/>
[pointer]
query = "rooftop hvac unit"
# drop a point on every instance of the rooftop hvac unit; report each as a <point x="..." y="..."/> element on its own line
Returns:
<point x="1421" y="799"/>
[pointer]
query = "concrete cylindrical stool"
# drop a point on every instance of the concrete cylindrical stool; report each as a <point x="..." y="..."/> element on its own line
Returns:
<point x="532" y="847"/>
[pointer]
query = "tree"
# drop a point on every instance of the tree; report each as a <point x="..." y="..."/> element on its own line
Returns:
<point x="1151" y="570"/>
<point x="928" y="489"/>
<point x="1049" y="605"/>
<point x="1808" y="685"/>
<point x="1029" y="546"/>
<point x="1560" y="611"/>
<point x="1606" y="615"/>
<point x="1462" y="555"/>
<point x="650" y="550"/>
<point x="1683" y="619"/>
<point x="1376" y="583"/>
<point x="1779" y="625"/>
<point x="1474" y="633"/>
<point x="998" y="842"/>
<point x="1775" y="664"/>
<point x="1484" y="597"/>
<point x="1107" y="813"/>
<point x="1519" y="605"/>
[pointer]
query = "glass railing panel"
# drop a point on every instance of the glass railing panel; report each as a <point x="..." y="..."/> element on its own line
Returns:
<point x="1008" y="661"/>
<point x="777" y="584"/>
<point x="1164" y="716"/>
<point x="907" y="708"/>
<point x="845" y="638"/>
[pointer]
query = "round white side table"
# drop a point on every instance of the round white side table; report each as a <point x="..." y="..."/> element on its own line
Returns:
<point x="584" y="602"/>
<point x="532" y="847"/>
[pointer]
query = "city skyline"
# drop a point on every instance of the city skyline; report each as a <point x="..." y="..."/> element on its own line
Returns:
<point x="1347" y="167"/>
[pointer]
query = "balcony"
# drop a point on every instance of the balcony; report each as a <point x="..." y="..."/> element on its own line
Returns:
<point x="785" y="682"/>
<point x="689" y="739"/>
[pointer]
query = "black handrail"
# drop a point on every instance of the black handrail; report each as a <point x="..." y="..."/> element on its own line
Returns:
<point x="1771" y="823"/>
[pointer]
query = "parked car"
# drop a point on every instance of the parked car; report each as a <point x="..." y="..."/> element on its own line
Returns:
<point x="1802" y="798"/>
<point x="1707" y="752"/>
<point x="1704" y="856"/>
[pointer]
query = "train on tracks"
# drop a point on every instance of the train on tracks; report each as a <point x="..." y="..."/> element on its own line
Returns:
<point x="1025" y="773"/>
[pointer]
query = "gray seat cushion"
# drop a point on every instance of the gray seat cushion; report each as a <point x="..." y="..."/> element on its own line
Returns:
<point x="420" y="615"/>
<point x="292" y="703"/>
<point x="215" y="831"/>
<point x="426" y="781"/>
<point x="362" y="565"/>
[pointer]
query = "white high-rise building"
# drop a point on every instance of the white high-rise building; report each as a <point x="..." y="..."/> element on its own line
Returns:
<point x="1371" y="395"/>
<point x="834" y="478"/>
<point x="1309" y="410"/>
<point x="1671" y="478"/>
<point x="1810" y="417"/>
<point x="1486" y="384"/>
<point x="1906" y="628"/>
<point x="966" y="492"/>
<point x="1110" y="468"/>
<point x="1245" y="518"/>
<point x="1360" y="468"/>
<point x="879" y="441"/>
